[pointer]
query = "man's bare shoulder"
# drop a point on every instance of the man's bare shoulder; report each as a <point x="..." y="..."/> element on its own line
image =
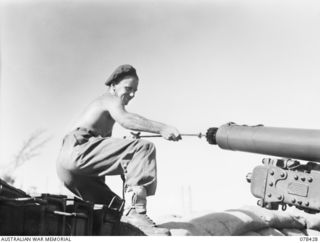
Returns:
<point x="96" y="116"/>
<point x="105" y="101"/>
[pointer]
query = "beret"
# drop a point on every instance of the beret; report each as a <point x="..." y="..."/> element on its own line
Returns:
<point x="121" y="72"/>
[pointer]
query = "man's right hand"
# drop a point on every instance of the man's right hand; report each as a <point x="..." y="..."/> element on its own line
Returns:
<point x="170" y="133"/>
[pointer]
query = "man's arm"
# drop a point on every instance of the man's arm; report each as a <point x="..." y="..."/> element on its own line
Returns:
<point x="136" y="122"/>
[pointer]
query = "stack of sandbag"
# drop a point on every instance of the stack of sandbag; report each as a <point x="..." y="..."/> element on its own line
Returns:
<point x="312" y="222"/>
<point x="248" y="221"/>
<point x="278" y="223"/>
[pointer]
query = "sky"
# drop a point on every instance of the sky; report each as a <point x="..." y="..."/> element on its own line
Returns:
<point x="201" y="64"/>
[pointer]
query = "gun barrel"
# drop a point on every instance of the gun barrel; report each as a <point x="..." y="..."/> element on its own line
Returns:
<point x="292" y="143"/>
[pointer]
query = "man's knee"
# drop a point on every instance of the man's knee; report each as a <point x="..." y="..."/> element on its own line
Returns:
<point x="146" y="145"/>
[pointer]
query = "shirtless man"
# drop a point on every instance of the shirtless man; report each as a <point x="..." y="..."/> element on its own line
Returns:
<point x="89" y="153"/>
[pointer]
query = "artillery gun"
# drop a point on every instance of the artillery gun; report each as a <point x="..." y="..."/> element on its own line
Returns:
<point x="283" y="181"/>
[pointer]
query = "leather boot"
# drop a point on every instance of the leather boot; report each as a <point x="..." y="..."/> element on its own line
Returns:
<point x="135" y="212"/>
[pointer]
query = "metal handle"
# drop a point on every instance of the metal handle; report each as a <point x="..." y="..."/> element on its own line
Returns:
<point x="111" y="202"/>
<point x="82" y="215"/>
<point x="137" y="135"/>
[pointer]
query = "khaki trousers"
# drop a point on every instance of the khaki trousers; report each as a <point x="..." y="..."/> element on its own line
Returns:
<point x="86" y="158"/>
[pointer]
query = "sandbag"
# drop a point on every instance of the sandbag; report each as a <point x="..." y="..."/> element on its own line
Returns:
<point x="187" y="227"/>
<point x="273" y="218"/>
<point x="251" y="233"/>
<point x="293" y="232"/>
<point x="312" y="232"/>
<point x="180" y="232"/>
<point x="228" y="223"/>
<point x="312" y="220"/>
<point x="270" y="232"/>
